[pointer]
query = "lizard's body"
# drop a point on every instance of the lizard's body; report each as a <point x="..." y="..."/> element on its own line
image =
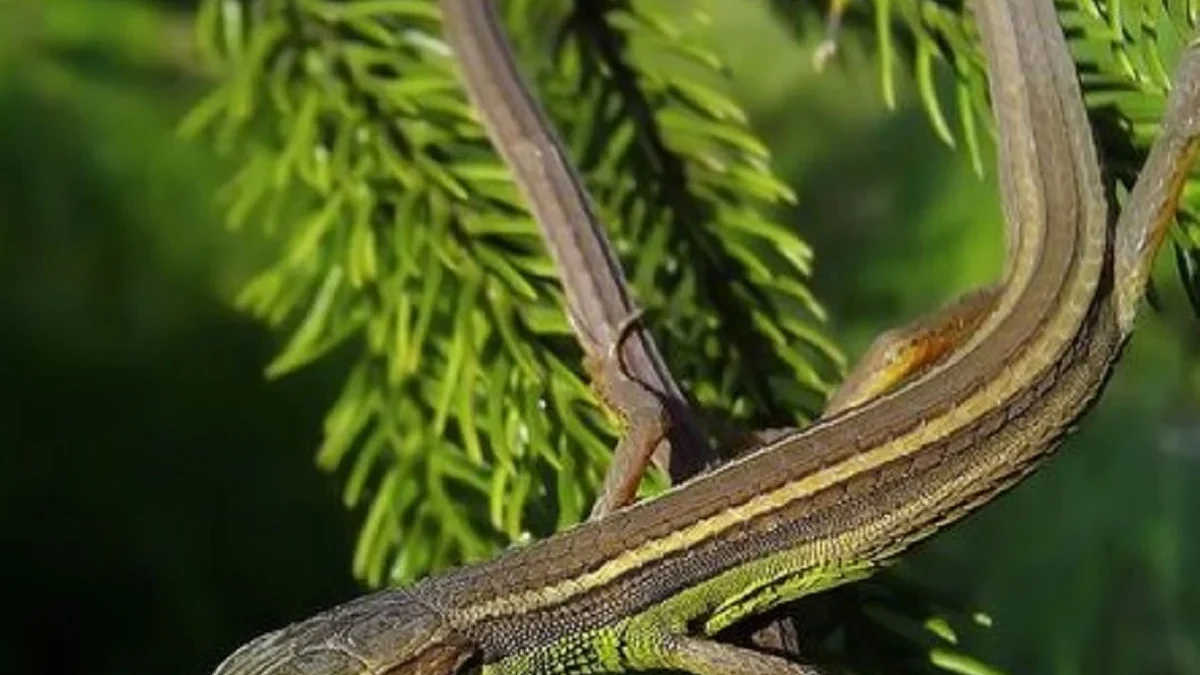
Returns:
<point x="643" y="586"/>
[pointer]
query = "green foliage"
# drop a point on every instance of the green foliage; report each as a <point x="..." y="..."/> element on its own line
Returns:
<point x="1126" y="52"/>
<point x="465" y="423"/>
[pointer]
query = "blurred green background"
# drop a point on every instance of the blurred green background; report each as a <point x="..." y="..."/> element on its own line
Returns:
<point x="158" y="500"/>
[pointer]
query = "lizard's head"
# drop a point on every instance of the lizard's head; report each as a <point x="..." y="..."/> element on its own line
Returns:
<point x="388" y="633"/>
